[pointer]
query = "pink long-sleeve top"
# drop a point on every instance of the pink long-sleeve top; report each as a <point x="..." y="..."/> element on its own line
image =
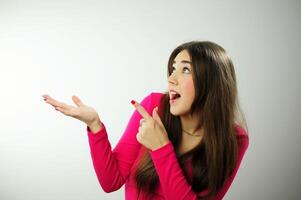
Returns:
<point x="116" y="167"/>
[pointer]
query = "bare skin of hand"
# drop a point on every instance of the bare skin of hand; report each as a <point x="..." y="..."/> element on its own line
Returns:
<point x="82" y="112"/>
<point x="151" y="133"/>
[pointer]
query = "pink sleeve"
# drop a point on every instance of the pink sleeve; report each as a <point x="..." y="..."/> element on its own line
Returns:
<point x="113" y="167"/>
<point x="172" y="179"/>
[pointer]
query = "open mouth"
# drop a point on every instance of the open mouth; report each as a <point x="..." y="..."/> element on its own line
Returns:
<point x="173" y="95"/>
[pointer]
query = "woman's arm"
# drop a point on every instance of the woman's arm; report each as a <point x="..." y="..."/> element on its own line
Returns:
<point x="113" y="167"/>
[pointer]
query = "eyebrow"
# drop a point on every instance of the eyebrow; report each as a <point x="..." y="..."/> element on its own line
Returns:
<point x="183" y="61"/>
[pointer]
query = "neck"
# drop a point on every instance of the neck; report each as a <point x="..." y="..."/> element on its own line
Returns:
<point x="189" y="123"/>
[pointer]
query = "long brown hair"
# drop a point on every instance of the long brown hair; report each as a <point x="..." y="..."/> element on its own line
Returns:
<point x="216" y="102"/>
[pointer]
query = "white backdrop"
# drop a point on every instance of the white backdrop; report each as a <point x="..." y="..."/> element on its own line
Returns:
<point x="108" y="53"/>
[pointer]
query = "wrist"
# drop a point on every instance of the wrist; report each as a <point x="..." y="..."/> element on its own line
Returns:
<point x="161" y="145"/>
<point x="95" y="126"/>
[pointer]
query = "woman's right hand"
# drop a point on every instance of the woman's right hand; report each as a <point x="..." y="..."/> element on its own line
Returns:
<point x="81" y="112"/>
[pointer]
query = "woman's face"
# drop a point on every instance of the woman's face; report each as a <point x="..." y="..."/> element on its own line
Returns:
<point x="180" y="85"/>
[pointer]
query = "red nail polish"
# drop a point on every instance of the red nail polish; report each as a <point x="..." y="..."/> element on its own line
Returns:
<point x="133" y="102"/>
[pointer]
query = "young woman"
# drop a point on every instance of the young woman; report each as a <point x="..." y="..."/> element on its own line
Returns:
<point x="186" y="143"/>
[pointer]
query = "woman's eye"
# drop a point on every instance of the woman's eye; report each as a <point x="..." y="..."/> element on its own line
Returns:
<point x="186" y="68"/>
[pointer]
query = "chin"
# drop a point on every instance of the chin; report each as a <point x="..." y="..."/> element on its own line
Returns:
<point x="177" y="112"/>
<point x="174" y="113"/>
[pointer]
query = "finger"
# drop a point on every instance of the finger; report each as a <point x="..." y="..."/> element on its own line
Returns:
<point x="44" y="96"/>
<point x="156" y="116"/>
<point x="66" y="110"/>
<point x="62" y="110"/>
<point x="53" y="102"/>
<point x="141" y="110"/>
<point x="59" y="109"/>
<point x="138" y="138"/>
<point x="77" y="101"/>
<point x="141" y="121"/>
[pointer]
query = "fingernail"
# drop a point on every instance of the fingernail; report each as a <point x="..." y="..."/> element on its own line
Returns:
<point x="133" y="102"/>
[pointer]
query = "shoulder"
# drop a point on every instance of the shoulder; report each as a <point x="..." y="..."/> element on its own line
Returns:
<point x="151" y="100"/>
<point x="156" y="95"/>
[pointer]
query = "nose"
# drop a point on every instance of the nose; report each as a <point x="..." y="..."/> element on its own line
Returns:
<point x="172" y="79"/>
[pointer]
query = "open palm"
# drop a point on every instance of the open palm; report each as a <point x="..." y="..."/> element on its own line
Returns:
<point x="81" y="111"/>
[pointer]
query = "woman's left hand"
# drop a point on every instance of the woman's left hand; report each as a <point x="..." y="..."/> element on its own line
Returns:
<point x="152" y="133"/>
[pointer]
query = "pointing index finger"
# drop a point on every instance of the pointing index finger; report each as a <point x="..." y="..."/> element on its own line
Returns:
<point x="141" y="109"/>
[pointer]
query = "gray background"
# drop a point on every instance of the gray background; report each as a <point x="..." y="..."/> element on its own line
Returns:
<point x="108" y="53"/>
